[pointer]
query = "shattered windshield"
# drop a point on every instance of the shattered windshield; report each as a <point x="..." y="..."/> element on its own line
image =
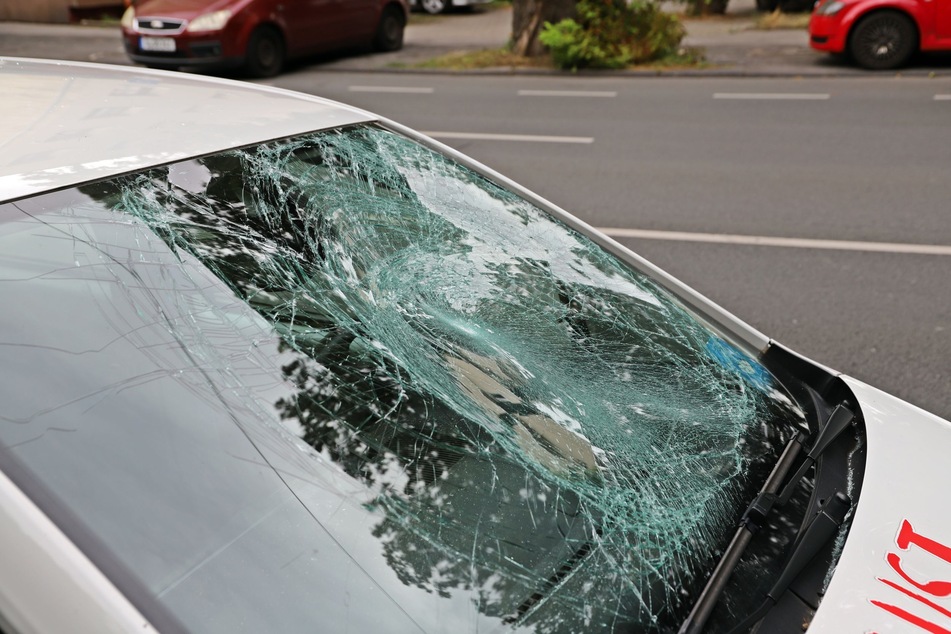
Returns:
<point x="455" y="412"/>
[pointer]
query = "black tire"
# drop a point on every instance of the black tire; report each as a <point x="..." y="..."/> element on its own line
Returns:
<point x="883" y="40"/>
<point x="265" y="54"/>
<point x="434" y="6"/>
<point x="389" y="32"/>
<point x="767" y="5"/>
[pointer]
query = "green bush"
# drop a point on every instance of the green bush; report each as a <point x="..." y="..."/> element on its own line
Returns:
<point x="612" y="34"/>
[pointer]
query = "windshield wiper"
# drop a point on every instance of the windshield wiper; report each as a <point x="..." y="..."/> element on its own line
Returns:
<point x="820" y="529"/>
<point x="810" y="541"/>
<point x="752" y="521"/>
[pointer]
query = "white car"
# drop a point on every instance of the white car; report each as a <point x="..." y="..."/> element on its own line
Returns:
<point x="275" y="364"/>
<point x="441" y="6"/>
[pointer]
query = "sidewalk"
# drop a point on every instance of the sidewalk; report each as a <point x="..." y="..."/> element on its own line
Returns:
<point x="732" y="45"/>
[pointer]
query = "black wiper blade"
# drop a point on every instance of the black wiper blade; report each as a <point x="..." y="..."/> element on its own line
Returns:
<point x="838" y="421"/>
<point x="755" y="516"/>
<point x="752" y="521"/>
<point x="817" y="534"/>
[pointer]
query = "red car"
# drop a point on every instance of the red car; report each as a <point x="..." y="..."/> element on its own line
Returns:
<point x="881" y="34"/>
<point x="258" y="35"/>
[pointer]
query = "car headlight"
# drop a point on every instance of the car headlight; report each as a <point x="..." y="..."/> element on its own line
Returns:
<point x="830" y="8"/>
<point x="210" y="21"/>
<point x="128" y="17"/>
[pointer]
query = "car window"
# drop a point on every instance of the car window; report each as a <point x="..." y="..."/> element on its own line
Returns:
<point x="341" y="381"/>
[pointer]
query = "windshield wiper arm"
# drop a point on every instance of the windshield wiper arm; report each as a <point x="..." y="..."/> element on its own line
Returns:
<point x="840" y="418"/>
<point x="820" y="530"/>
<point x="755" y="517"/>
<point x="752" y="521"/>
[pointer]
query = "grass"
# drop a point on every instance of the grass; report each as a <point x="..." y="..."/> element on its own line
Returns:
<point x="779" y="20"/>
<point x="685" y="58"/>
<point x="418" y="17"/>
<point x="105" y="21"/>
<point x="504" y="58"/>
<point x="487" y="58"/>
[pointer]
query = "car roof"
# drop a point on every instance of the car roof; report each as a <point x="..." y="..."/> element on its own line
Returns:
<point x="66" y="123"/>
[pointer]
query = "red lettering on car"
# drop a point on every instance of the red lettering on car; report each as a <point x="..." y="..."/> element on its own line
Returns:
<point x="906" y="538"/>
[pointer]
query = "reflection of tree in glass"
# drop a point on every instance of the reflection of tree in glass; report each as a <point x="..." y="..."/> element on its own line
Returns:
<point x="539" y="424"/>
<point x="456" y="513"/>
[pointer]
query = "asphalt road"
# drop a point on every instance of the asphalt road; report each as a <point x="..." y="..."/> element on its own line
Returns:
<point x="783" y="163"/>
<point x="865" y="162"/>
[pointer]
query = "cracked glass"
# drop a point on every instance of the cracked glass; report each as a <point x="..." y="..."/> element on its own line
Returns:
<point x="342" y="381"/>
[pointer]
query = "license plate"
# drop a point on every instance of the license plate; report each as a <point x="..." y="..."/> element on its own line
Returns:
<point x="157" y="44"/>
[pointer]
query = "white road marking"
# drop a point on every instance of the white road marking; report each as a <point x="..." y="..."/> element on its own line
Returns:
<point x="774" y="96"/>
<point x="530" y="138"/>
<point x="392" y="89"/>
<point x="766" y="241"/>
<point x="567" y="93"/>
<point x="942" y="97"/>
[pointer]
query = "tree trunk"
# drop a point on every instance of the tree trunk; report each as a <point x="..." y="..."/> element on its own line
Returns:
<point x="528" y="18"/>
<point x="717" y="7"/>
<point x="709" y="7"/>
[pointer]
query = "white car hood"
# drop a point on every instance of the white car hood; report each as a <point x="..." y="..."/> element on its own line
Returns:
<point x="895" y="571"/>
<point x="62" y="124"/>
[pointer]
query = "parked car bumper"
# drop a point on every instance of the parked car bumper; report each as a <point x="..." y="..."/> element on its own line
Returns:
<point x="826" y="33"/>
<point x="189" y="51"/>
